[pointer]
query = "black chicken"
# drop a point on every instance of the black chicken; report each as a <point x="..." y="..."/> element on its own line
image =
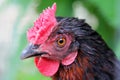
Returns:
<point x="68" y="49"/>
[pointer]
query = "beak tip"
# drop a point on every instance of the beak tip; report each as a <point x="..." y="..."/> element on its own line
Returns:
<point x="22" y="58"/>
<point x="23" y="55"/>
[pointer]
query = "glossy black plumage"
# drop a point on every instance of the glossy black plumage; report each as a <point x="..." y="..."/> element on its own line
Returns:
<point x="100" y="61"/>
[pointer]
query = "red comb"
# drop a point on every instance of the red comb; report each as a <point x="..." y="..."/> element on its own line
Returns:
<point x="43" y="26"/>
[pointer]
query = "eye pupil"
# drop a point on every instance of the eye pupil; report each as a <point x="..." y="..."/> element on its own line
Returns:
<point x="61" y="41"/>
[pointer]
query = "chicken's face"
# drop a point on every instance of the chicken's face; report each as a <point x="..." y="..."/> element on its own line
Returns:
<point x="50" y="48"/>
<point x="52" y="53"/>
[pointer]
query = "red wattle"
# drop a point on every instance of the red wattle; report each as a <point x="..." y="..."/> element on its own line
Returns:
<point x="47" y="67"/>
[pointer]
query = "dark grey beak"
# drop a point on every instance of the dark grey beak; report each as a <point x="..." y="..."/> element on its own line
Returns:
<point x="31" y="51"/>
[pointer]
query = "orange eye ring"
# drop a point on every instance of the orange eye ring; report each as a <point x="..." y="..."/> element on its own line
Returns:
<point x="61" y="42"/>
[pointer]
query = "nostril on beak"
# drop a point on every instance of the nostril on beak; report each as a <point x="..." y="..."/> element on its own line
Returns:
<point x="36" y="46"/>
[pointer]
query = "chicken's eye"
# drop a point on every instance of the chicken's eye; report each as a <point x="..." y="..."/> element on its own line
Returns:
<point x="61" y="42"/>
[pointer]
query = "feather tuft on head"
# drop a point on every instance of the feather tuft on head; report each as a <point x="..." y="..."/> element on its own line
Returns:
<point x="43" y="26"/>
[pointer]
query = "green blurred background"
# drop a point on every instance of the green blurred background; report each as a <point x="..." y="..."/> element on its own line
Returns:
<point x="16" y="16"/>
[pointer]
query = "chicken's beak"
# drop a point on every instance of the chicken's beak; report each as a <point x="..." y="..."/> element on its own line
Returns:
<point x="31" y="51"/>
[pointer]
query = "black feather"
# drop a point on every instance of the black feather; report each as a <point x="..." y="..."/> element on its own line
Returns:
<point x="104" y="65"/>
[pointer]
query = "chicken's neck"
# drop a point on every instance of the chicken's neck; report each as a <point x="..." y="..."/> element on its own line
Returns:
<point x="87" y="68"/>
<point x="76" y="71"/>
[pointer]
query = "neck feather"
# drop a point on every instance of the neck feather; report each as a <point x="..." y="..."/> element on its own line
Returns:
<point x="87" y="68"/>
<point x="75" y="71"/>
